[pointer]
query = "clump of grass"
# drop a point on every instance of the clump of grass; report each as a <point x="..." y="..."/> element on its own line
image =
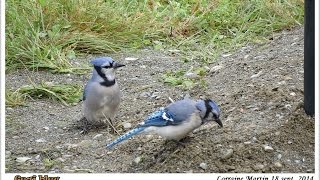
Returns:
<point x="49" y="163"/>
<point x="181" y="78"/>
<point x="14" y="98"/>
<point x="44" y="33"/>
<point x="65" y="93"/>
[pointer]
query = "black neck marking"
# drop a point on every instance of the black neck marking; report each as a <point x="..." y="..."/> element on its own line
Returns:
<point x="208" y="108"/>
<point x="106" y="81"/>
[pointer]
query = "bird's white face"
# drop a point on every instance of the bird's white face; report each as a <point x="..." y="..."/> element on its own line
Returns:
<point x="109" y="73"/>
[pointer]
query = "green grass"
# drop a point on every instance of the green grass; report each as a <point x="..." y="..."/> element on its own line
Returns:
<point x="49" y="33"/>
<point x="14" y="98"/>
<point x="68" y="94"/>
<point x="180" y="78"/>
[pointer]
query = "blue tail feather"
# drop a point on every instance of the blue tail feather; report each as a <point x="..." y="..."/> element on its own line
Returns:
<point x="126" y="136"/>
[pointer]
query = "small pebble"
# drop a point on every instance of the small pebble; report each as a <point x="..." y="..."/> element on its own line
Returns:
<point x="278" y="164"/>
<point x="215" y="69"/>
<point x="289" y="142"/>
<point x="204" y="166"/>
<point x="41" y="140"/>
<point x="228" y="153"/>
<point x="292" y="94"/>
<point x="145" y="94"/>
<point x="258" y="167"/>
<point x="137" y="160"/>
<point x="131" y="59"/>
<point x="297" y="161"/>
<point x="46" y="128"/>
<point x="22" y="159"/>
<point x="247" y="142"/>
<point x="268" y="148"/>
<point x="8" y="154"/>
<point x="191" y="75"/>
<point x="226" y="55"/>
<point x="127" y="125"/>
<point x="309" y="170"/>
<point x="279" y="156"/>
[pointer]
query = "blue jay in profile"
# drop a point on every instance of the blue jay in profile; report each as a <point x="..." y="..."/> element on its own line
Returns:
<point x="101" y="97"/>
<point x="176" y="120"/>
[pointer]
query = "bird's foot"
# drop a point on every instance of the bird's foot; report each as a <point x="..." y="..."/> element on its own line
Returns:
<point x="183" y="142"/>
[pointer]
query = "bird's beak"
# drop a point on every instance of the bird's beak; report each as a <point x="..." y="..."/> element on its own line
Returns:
<point x="219" y="122"/>
<point x="117" y="65"/>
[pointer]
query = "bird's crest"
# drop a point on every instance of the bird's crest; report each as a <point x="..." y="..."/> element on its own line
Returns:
<point x="102" y="61"/>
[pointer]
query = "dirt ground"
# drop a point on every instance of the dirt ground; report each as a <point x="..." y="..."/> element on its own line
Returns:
<point x="259" y="89"/>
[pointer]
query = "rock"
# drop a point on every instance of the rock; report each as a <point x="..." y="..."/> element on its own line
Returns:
<point x="8" y="154"/>
<point x="279" y="156"/>
<point x="9" y="109"/>
<point x="278" y="165"/>
<point x="203" y="166"/>
<point x="191" y="75"/>
<point x="227" y="154"/>
<point x="22" y="159"/>
<point x="289" y="142"/>
<point x="258" y="167"/>
<point x="41" y="140"/>
<point x="254" y="139"/>
<point x="131" y="59"/>
<point x="37" y="157"/>
<point x="292" y="94"/>
<point x="138" y="160"/>
<point x="226" y="55"/>
<point x="268" y="148"/>
<point x="145" y="94"/>
<point x="256" y="75"/>
<point x="282" y="82"/>
<point x="309" y="170"/>
<point x="126" y="125"/>
<point x="247" y="142"/>
<point x="215" y="69"/>
<point x="46" y="128"/>
<point x="97" y="136"/>
<point x="297" y="161"/>
<point x="246" y="56"/>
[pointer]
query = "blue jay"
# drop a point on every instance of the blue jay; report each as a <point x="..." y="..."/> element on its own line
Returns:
<point x="101" y="97"/>
<point x="176" y="120"/>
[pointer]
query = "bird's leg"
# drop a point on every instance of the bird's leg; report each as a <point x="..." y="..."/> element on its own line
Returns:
<point x="85" y="126"/>
<point x="110" y="124"/>
<point x="183" y="141"/>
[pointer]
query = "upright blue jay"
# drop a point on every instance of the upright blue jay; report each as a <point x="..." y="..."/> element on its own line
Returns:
<point x="101" y="97"/>
<point x="176" y="120"/>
